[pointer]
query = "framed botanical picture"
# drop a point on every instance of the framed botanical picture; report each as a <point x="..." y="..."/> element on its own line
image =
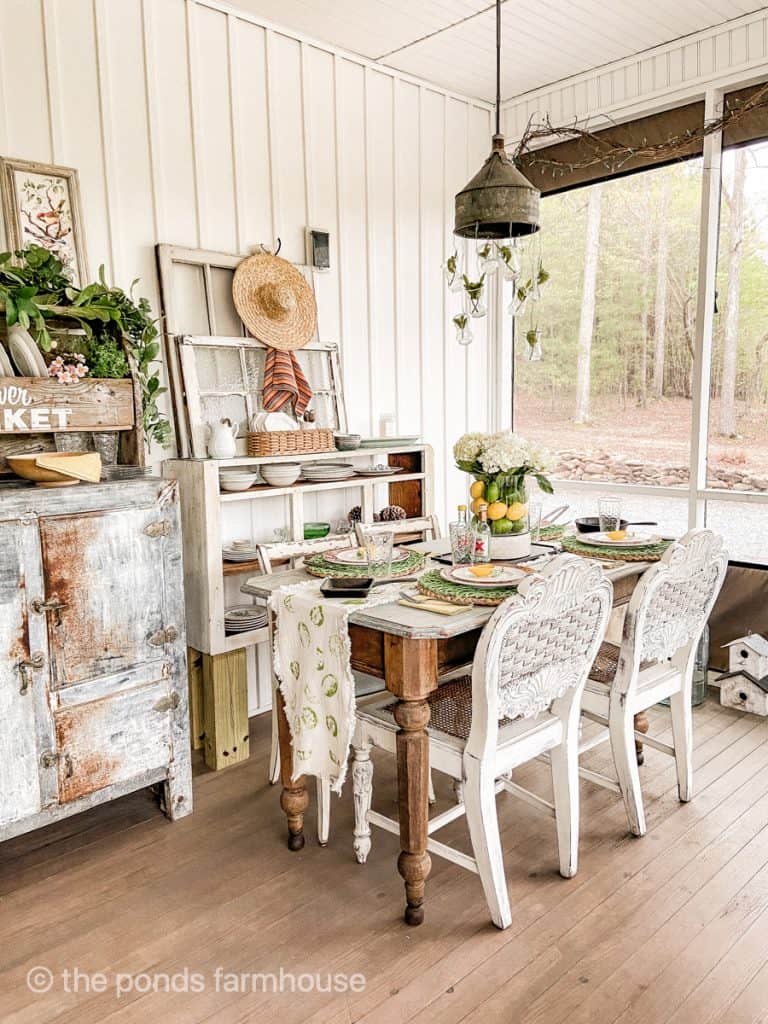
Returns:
<point x="41" y="206"/>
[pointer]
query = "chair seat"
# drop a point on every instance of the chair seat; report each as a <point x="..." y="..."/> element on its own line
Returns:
<point x="450" y="721"/>
<point x="450" y="708"/>
<point x="652" y="676"/>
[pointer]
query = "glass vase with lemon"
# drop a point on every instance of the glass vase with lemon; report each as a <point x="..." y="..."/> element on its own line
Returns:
<point x="504" y="466"/>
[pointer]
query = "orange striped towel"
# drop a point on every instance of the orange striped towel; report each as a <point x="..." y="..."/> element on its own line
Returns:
<point x="284" y="382"/>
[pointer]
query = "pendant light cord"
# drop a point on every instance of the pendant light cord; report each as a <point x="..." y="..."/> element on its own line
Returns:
<point x="498" y="67"/>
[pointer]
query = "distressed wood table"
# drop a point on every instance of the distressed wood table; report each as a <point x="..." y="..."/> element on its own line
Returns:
<point x="409" y="649"/>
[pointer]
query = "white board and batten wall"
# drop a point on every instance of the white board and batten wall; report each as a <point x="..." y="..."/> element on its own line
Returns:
<point x="198" y="126"/>
<point x="724" y="57"/>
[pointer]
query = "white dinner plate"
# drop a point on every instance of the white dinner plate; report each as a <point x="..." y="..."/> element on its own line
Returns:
<point x="6" y="370"/>
<point x="501" y="576"/>
<point x="25" y="353"/>
<point x="357" y="556"/>
<point x="632" y="540"/>
<point x="389" y="442"/>
<point x="379" y="470"/>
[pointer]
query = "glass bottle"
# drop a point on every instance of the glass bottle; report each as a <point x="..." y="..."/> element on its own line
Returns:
<point x="700" y="672"/>
<point x="482" y="537"/>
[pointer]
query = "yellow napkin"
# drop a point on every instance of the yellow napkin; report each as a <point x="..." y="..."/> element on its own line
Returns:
<point x="439" y="607"/>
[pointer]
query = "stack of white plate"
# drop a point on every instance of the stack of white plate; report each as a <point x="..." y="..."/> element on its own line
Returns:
<point x="243" y="617"/>
<point x="240" y="551"/>
<point x="323" y="472"/>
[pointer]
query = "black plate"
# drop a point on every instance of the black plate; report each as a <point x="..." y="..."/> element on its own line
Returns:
<point x="346" y="587"/>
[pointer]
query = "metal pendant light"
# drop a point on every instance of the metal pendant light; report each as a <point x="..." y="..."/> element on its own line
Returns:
<point x="499" y="202"/>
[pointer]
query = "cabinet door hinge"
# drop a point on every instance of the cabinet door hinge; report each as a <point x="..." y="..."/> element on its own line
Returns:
<point x="163" y="636"/>
<point x="160" y="528"/>
<point x="169" y="703"/>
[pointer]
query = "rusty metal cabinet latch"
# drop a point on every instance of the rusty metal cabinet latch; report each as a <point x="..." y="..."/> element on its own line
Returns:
<point x="160" y="528"/>
<point x="53" y="604"/>
<point x="26" y="669"/>
<point x="163" y="636"/>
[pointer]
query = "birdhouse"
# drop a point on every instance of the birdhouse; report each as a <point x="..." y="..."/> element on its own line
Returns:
<point x="750" y="653"/>
<point x="741" y="690"/>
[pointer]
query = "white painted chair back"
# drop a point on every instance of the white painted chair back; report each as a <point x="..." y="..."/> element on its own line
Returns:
<point x="538" y="647"/>
<point x="428" y="525"/>
<point x="670" y="606"/>
<point x="295" y="551"/>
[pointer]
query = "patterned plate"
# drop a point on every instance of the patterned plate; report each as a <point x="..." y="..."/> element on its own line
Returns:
<point x="501" y="576"/>
<point x="632" y="540"/>
<point x="357" y="556"/>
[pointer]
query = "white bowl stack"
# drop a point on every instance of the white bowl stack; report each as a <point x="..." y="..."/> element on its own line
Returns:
<point x="236" y="479"/>
<point x="280" y="474"/>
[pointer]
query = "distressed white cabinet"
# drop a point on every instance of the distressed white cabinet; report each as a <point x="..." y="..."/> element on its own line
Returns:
<point x="93" y="690"/>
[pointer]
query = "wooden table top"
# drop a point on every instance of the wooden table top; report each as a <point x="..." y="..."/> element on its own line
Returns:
<point x="398" y="620"/>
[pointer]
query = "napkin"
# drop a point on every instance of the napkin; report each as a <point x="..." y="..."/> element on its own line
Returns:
<point x="312" y="664"/>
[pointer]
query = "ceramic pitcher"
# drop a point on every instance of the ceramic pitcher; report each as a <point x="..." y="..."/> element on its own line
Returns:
<point x="221" y="439"/>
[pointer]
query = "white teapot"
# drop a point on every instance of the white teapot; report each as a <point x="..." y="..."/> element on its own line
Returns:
<point x="221" y="439"/>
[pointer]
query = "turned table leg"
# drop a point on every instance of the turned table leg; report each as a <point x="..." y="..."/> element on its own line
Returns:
<point x="294" y="798"/>
<point x="642" y="724"/>
<point x="411" y="674"/>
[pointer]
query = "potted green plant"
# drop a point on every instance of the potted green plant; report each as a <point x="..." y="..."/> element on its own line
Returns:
<point x="119" y="338"/>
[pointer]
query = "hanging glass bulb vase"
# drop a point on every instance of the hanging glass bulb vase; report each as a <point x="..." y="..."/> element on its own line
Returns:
<point x="519" y="303"/>
<point x="464" y="334"/>
<point x="488" y="259"/>
<point x="474" y="297"/>
<point x="533" y="353"/>
<point x="452" y="272"/>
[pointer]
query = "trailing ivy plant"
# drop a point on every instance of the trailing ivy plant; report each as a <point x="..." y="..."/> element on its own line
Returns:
<point x="34" y="289"/>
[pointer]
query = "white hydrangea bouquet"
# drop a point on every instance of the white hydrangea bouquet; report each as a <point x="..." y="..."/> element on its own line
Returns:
<point x="500" y="464"/>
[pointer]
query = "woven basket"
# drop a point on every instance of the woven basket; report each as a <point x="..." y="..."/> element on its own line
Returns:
<point x="265" y="443"/>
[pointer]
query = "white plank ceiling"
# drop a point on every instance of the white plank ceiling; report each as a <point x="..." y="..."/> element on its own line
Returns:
<point x="451" y="42"/>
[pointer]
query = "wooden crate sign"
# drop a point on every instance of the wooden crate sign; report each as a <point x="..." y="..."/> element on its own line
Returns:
<point x="36" y="405"/>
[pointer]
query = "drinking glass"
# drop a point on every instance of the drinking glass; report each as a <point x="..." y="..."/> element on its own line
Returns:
<point x="609" y="514"/>
<point x="534" y="518"/>
<point x="462" y="542"/>
<point x="378" y="550"/>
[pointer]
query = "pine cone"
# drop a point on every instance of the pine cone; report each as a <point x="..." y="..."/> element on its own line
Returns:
<point x="392" y="513"/>
<point x="355" y="515"/>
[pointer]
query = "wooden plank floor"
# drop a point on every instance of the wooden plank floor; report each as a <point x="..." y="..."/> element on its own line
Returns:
<point x="669" y="928"/>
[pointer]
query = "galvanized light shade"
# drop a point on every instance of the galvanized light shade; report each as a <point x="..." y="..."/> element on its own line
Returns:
<point x="499" y="202"/>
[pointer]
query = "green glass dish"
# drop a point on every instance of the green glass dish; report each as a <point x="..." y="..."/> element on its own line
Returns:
<point x="316" y="531"/>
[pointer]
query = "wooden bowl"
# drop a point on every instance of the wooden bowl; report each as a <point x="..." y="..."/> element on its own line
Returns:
<point x="26" y="467"/>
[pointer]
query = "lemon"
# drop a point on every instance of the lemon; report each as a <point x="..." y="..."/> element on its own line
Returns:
<point x="616" y="534"/>
<point x="477" y="490"/>
<point x="516" y="511"/>
<point x="497" y="510"/>
<point x="475" y="506"/>
<point x="481" y="570"/>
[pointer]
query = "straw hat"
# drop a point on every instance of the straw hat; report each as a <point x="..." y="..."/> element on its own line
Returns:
<point x="275" y="302"/>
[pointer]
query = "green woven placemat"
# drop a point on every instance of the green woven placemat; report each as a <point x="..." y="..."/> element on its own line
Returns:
<point x="432" y="583"/>
<point x="551" y="532"/>
<point x="639" y="554"/>
<point x="318" y="566"/>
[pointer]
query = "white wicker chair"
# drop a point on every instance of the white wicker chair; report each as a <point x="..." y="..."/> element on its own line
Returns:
<point x="663" y="624"/>
<point x="523" y="699"/>
<point x="429" y="526"/>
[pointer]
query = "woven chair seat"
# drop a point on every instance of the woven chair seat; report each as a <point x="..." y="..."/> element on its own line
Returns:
<point x="451" y="708"/>
<point x="606" y="664"/>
